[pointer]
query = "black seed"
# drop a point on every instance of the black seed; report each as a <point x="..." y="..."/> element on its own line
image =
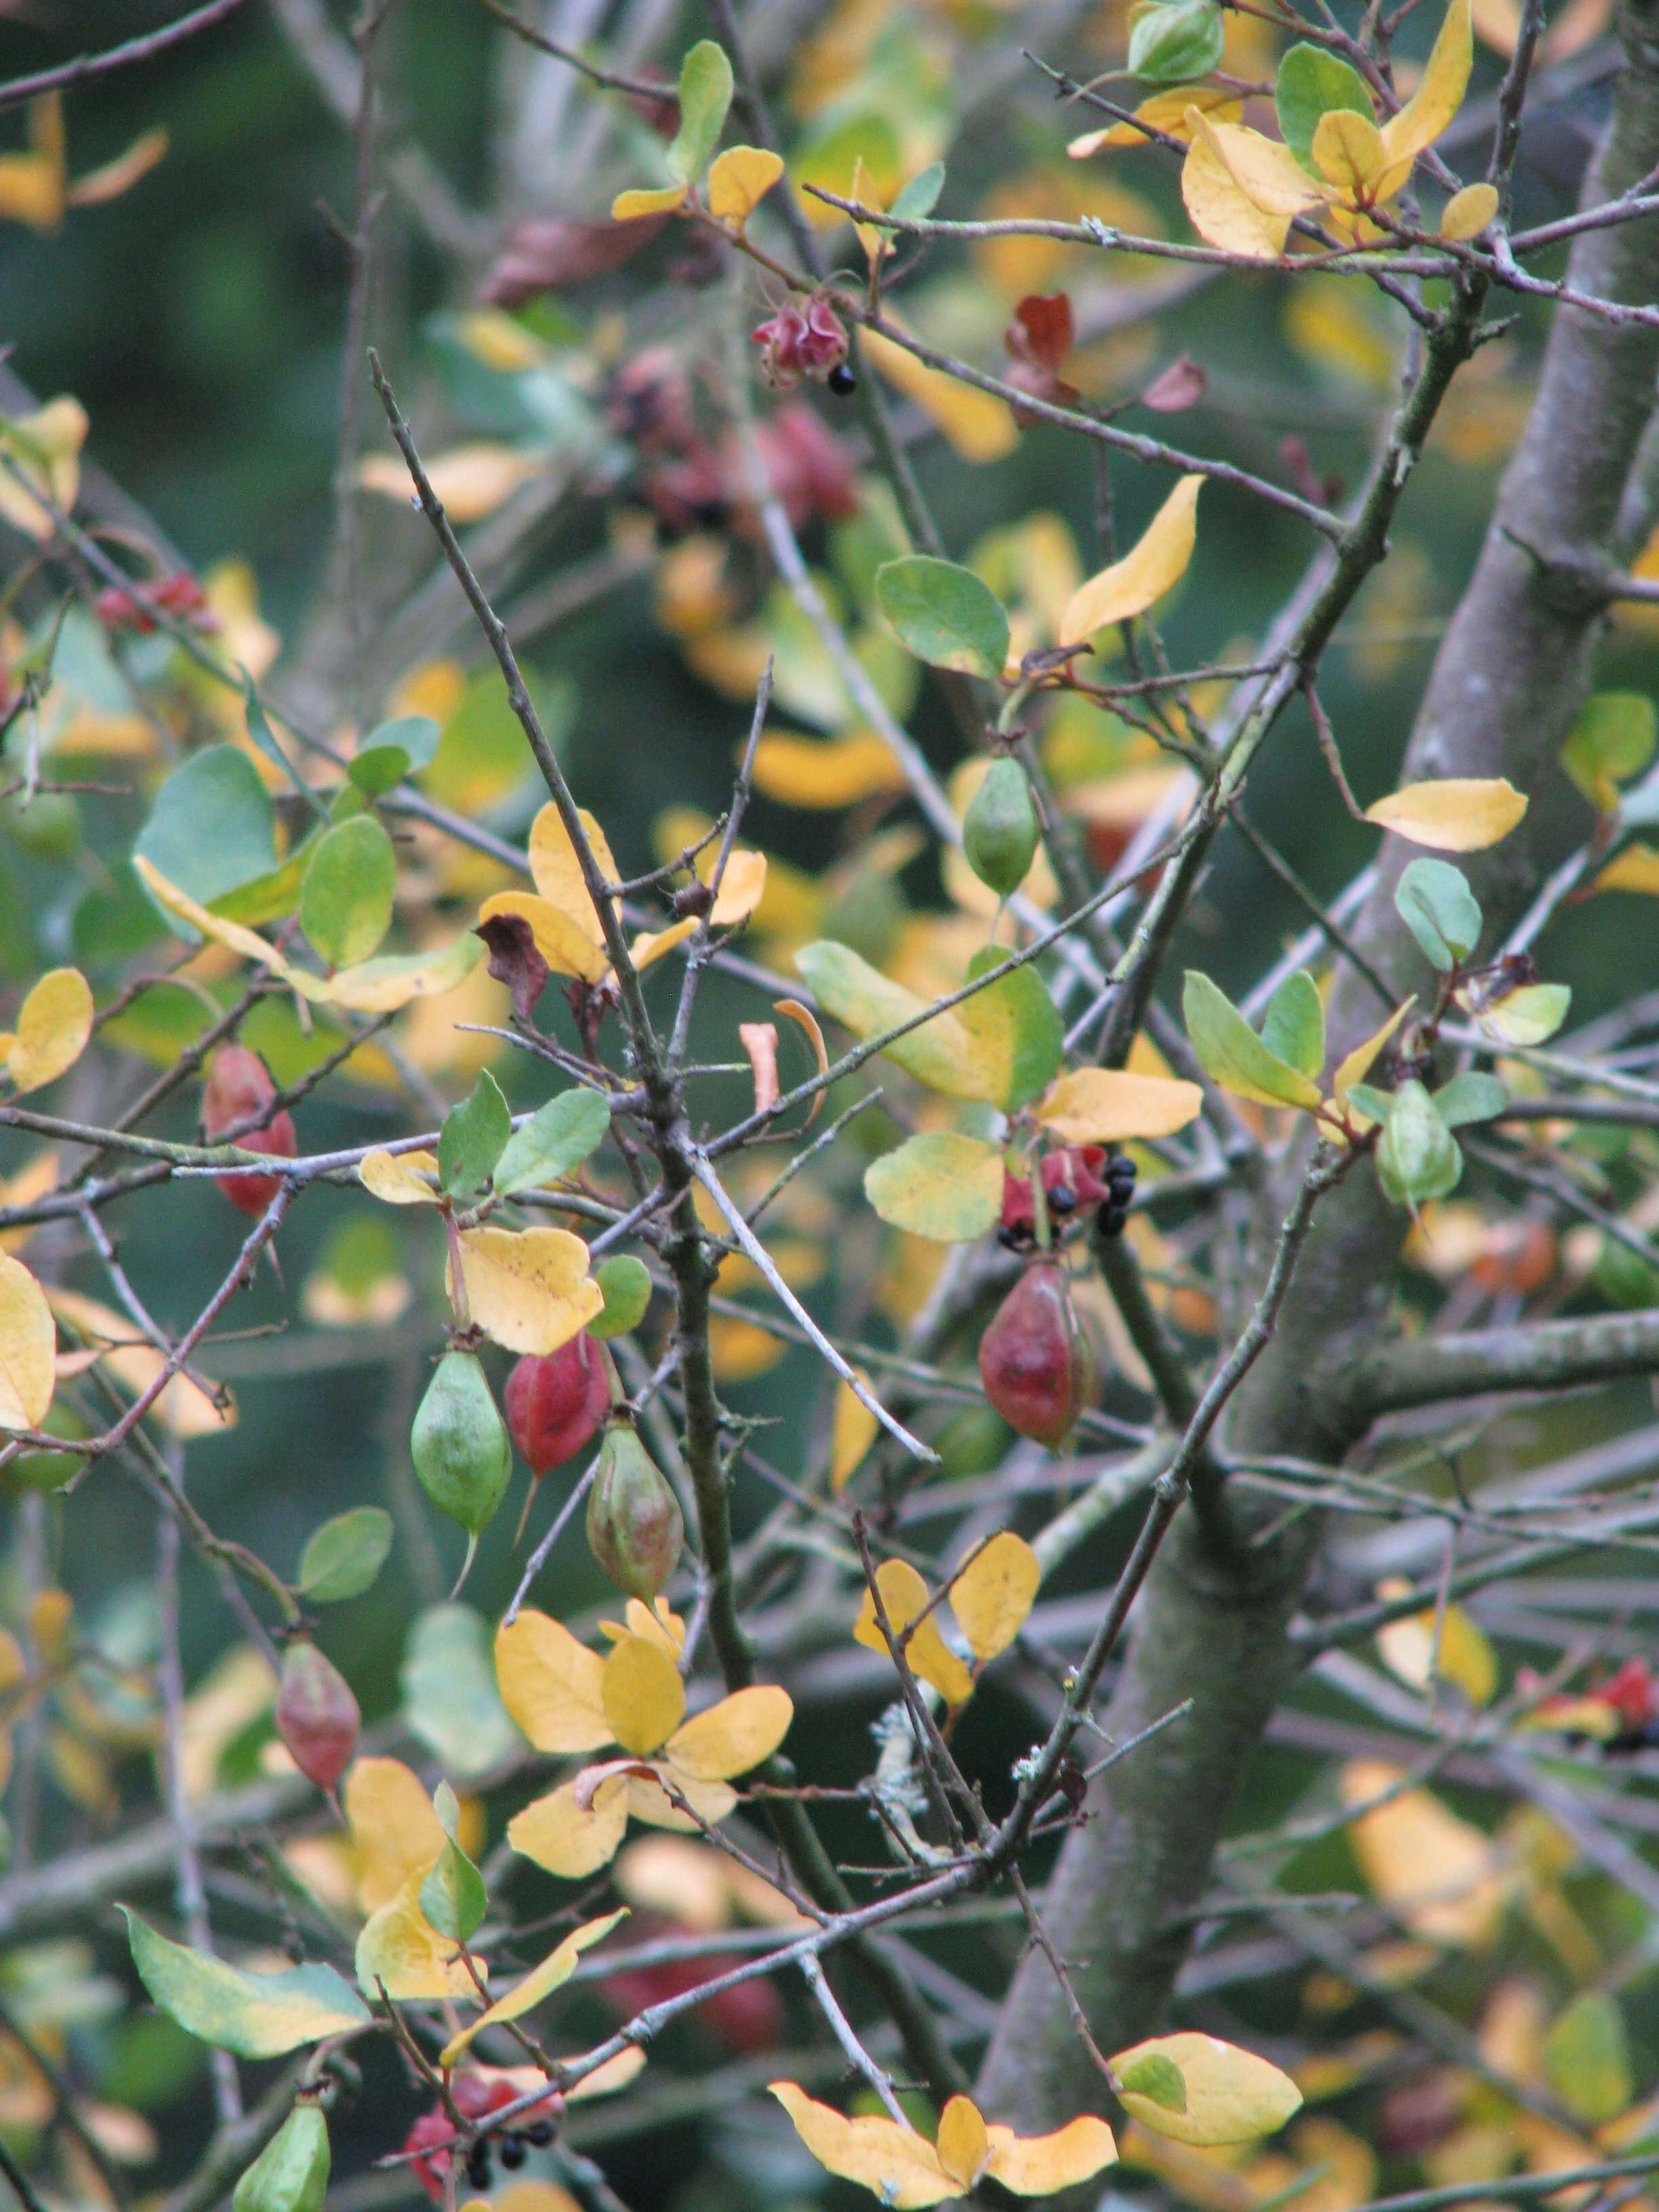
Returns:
<point x="1062" y="1198"/>
<point x="841" y="381"/>
<point x="1111" y="1220"/>
<point x="478" y="2165"/>
<point x="513" y="2153"/>
<point x="541" y="2135"/>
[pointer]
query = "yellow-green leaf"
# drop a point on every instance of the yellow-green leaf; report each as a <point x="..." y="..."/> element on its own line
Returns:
<point x="1587" y="2059"/>
<point x="541" y="1982"/>
<point x="1440" y="90"/>
<point x="255" y="2015"/>
<point x="53" y="1024"/>
<point x="400" y="1948"/>
<point x="1233" y="1055"/>
<point x="398" y="1178"/>
<point x="1635" y="869"/>
<point x="940" y="1185"/>
<point x="1104" y="1105"/>
<point x="1232" y="2096"/>
<point x="1347" y="152"/>
<point x="1152" y="566"/>
<point x="994" y="1592"/>
<point x="1453" y="814"/>
<point x="28" y="1343"/>
<point x="1468" y="213"/>
<point x="528" y="1289"/>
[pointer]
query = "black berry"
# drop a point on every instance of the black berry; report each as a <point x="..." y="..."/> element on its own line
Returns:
<point x="478" y="2165"/>
<point x="540" y="2134"/>
<point x="841" y="381"/>
<point x="513" y="2153"/>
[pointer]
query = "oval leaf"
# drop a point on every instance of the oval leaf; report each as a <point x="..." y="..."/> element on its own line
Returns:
<point x="945" y="614"/>
<point x="255" y="2015"/>
<point x="1455" y="814"/>
<point x="940" y="1185"/>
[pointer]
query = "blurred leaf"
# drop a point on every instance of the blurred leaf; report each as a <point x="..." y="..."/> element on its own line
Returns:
<point x="945" y="615"/>
<point x="345" y="902"/>
<point x="393" y="751"/>
<point x="938" y="1185"/>
<point x="449" y="1696"/>
<point x="211" y="827"/>
<point x="1587" y="2059"/>
<point x="341" y="1558"/>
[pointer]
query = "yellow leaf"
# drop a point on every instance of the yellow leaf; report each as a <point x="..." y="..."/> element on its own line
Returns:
<point x="1347" y="151"/>
<point x="1152" y="565"/>
<point x="43" y="450"/>
<point x="659" y="1624"/>
<point x="108" y="182"/>
<point x="730" y="1737"/>
<point x="1468" y="213"/>
<point x="53" y="1024"/>
<point x="470" y="481"/>
<point x="642" y="1694"/>
<point x="231" y="934"/>
<point x="1465" y="1655"/>
<point x="1358" y="1063"/>
<point x="901" y="2166"/>
<point x="400" y="1947"/>
<point x="1453" y="814"/>
<point x="649" y="1799"/>
<point x="1166" y="112"/>
<point x="742" y="886"/>
<point x="649" y="947"/>
<point x="568" y="1839"/>
<point x="540" y="1982"/>
<point x="854" y="1431"/>
<point x="1439" y="94"/>
<point x="28" y="1345"/>
<point x="1103" y="1105"/>
<point x="552" y="1685"/>
<point x="528" y="1289"/>
<point x="739" y="181"/>
<point x="392" y="980"/>
<point x="396" y="1178"/>
<point x="1635" y="869"/>
<point x="629" y="207"/>
<point x="824" y="773"/>
<point x="560" y="938"/>
<point x="34" y="1180"/>
<point x="979" y="425"/>
<point x="557" y="871"/>
<point x="1040" y="2166"/>
<point x="1438" y="1875"/>
<point x="1264" y="169"/>
<point x="31" y="191"/>
<point x="395" y="1832"/>
<point x="963" y="2146"/>
<point x="994" y="1592"/>
<point x="904" y="1599"/>
<point x="1232" y="2096"/>
<point x="184" y="1406"/>
<point x="1220" y="212"/>
<point x="604" y="2082"/>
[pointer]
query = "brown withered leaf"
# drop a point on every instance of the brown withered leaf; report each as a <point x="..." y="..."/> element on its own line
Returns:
<point x="545" y="256"/>
<point x="514" y="961"/>
<point x="1181" y="386"/>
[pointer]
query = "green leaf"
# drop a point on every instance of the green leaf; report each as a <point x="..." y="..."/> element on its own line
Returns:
<point x="1155" y="2075"/>
<point x="1294" y="1027"/>
<point x="1175" y="42"/>
<point x="210" y="828"/>
<point x="1015" y="1028"/>
<point x="473" y="1138"/>
<point x="705" y="96"/>
<point x="625" y="1283"/>
<point x="1434" y="901"/>
<point x="921" y="196"/>
<point x="1233" y="1055"/>
<point x="940" y="1185"/>
<point x="1529" y="1016"/>
<point x="341" y="1558"/>
<point x="945" y="614"/>
<point x="269" y="897"/>
<point x="453" y="1896"/>
<point x="1470" y="1097"/>
<point x="1369" y="1101"/>
<point x="1313" y="83"/>
<point x="449" y="1700"/>
<point x="1587" y="2059"/>
<point x="1614" y="738"/>
<point x="345" y="902"/>
<point x="390" y="753"/>
<point x="557" y="1137"/>
<point x="255" y="2015"/>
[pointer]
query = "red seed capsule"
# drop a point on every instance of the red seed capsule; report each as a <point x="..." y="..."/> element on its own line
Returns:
<point x="239" y="1084"/>
<point x="557" y="1405"/>
<point x="1033" y="1360"/>
<point x="316" y="1716"/>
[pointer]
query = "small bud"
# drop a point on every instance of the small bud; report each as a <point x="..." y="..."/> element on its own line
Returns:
<point x="317" y="1717"/>
<point x="634" y="1526"/>
<point x="999" y="830"/>
<point x="291" y="2173"/>
<point x="458" y="1443"/>
<point x="1033" y="1360"/>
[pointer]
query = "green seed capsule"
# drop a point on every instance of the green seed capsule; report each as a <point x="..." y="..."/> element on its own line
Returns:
<point x="47" y="1470"/>
<point x="459" y="1443"/>
<point x="999" y="830"/>
<point x="634" y="1526"/>
<point x="291" y="2173"/>
<point x="1417" y="1155"/>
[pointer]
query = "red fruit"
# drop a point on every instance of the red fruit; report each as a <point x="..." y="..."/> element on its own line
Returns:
<point x="1033" y="1360"/>
<point x="475" y="2094"/>
<point x="797" y="342"/>
<point x="238" y="1089"/>
<point x="1632" y="1692"/>
<point x="179" y="595"/>
<point x="1071" y="1179"/>
<point x="557" y="1405"/>
<point x="317" y="1717"/>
